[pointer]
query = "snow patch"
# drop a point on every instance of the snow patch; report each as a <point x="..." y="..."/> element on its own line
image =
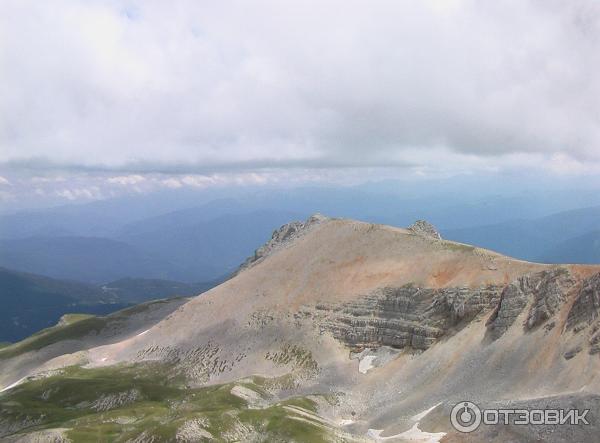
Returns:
<point x="18" y="382"/>
<point x="253" y="398"/>
<point x="423" y="414"/>
<point x="413" y="434"/>
<point x="366" y="363"/>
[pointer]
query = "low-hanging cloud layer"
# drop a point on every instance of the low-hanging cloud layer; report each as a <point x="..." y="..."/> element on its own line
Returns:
<point x="209" y="87"/>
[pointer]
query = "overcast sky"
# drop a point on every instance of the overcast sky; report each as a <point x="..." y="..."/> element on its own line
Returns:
<point x="222" y="90"/>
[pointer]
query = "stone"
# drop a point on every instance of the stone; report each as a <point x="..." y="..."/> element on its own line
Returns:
<point x="586" y="308"/>
<point x="572" y="353"/>
<point x="425" y="229"/>
<point x="546" y="290"/>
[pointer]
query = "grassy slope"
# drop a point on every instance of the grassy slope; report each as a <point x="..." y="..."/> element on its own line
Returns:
<point x="162" y="407"/>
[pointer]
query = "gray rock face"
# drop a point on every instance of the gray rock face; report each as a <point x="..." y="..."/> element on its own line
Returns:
<point x="546" y="290"/>
<point x="586" y="308"/>
<point x="281" y="238"/>
<point x="425" y="229"/>
<point x="406" y="316"/>
<point x="512" y="302"/>
<point x="411" y="317"/>
<point x="549" y="293"/>
<point x="595" y="339"/>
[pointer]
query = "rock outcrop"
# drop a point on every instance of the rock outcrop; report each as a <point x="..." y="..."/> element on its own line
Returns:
<point x="549" y="293"/>
<point x="425" y="229"/>
<point x="405" y="317"/>
<point x="546" y="291"/>
<point x="282" y="237"/>
<point x="412" y="317"/>
<point x="586" y="307"/>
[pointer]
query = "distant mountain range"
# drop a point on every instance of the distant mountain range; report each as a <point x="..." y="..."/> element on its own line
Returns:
<point x="89" y="259"/>
<point x="184" y="246"/>
<point x="199" y="249"/>
<point x="581" y="249"/>
<point x="32" y="302"/>
<point x="565" y="237"/>
<point x="126" y="238"/>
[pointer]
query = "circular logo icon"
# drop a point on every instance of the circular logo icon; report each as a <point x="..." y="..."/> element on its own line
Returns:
<point x="465" y="416"/>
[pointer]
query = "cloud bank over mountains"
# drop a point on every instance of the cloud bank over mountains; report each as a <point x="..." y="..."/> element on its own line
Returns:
<point x="199" y="87"/>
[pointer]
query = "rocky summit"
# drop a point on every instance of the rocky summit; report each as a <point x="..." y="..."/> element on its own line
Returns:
<point x="426" y="229"/>
<point x="334" y="330"/>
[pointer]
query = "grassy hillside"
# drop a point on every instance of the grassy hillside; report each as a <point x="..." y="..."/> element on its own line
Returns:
<point x="148" y="402"/>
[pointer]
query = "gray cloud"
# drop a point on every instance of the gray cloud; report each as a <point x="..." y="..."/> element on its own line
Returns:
<point x="191" y="86"/>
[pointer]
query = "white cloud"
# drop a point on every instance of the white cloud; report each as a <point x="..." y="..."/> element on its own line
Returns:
<point x="265" y="84"/>
<point x="4" y="181"/>
<point x="172" y="183"/>
<point x="126" y="180"/>
<point x="204" y="181"/>
<point x="198" y="181"/>
<point x="563" y="164"/>
<point x="55" y="179"/>
<point x="90" y="193"/>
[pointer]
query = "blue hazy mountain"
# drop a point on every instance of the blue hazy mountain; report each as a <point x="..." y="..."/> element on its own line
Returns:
<point x="581" y="249"/>
<point x="180" y="249"/>
<point x="452" y="203"/>
<point x="90" y="259"/>
<point x="200" y="236"/>
<point x="31" y="302"/>
<point x="565" y="237"/>
<point x="205" y="250"/>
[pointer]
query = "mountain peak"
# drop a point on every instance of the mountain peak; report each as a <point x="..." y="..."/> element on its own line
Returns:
<point x="425" y="229"/>
<point x="282" y="237"/>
